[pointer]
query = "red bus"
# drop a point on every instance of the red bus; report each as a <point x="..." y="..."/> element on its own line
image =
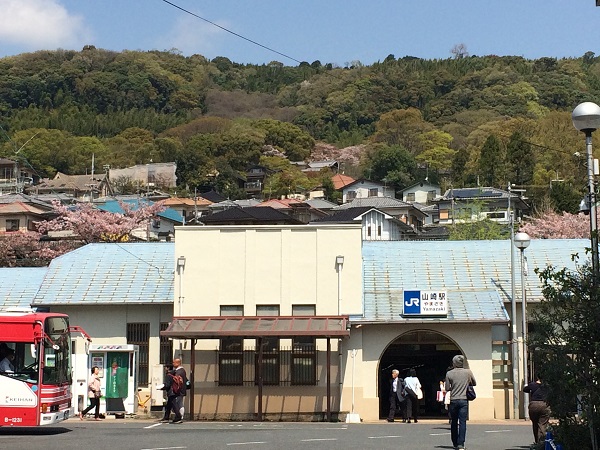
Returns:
<point x="35" y="368"/>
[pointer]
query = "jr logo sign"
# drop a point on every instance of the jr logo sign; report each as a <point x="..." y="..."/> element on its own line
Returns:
<point x="425" y="303"/>
<point x="412" y="302"/>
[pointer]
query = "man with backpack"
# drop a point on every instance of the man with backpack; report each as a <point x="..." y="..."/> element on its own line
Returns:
<point x="178" y="380"/>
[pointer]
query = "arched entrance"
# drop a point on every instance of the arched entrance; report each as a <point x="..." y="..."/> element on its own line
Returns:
<point x="430" y="354"/>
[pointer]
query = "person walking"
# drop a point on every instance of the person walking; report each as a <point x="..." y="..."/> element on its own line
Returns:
<point x="539" y="412"/>
<point x="396" y="396"/>
<point x="413" y="395"/>
<point x="94" y="394"/>
<point x="178" y="390"/>
<point x="457" y="381"/>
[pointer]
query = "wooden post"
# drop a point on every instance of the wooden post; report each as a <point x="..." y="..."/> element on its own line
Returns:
<point x="260" y="378"/>
<point x="191" y="378"/>
<point x="328" y="380"/>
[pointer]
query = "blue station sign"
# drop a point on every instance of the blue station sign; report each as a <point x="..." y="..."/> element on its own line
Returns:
<point x="425" y="303"/>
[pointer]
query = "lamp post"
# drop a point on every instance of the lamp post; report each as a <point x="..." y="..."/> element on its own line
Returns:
<point x="522" y="241"/>
<point x="513" y="311"/>
<point x="339" y="265"/>
<point x="586" y="118"/>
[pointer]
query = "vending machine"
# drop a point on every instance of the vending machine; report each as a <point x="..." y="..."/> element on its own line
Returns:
<point x="118" y="366"/>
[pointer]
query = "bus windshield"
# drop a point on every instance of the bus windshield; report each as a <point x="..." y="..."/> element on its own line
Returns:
<point x="57" y="352"/>
<point x="19" y="360"/>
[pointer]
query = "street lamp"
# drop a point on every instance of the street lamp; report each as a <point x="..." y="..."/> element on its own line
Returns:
<point x="586" y="118"/>
<point x="522" y="241"/>
<point x="180" y="269"/>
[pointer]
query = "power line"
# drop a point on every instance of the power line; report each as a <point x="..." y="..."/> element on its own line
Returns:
<point x="232" y="32"/>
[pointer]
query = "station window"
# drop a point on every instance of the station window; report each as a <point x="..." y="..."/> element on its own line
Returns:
<point x="139" y="334"/>
<point x="231" y="352"/>
<point x="304" y="352"/>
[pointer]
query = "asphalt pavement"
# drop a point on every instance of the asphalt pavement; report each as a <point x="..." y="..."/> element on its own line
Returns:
<point x="136" y="434"/>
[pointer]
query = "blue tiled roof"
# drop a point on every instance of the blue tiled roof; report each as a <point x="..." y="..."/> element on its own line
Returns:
<point x="476" y="274"/>
<point x="110" y="273"/>
<point x="114" y="207"/>
<point x="18" y="285"/>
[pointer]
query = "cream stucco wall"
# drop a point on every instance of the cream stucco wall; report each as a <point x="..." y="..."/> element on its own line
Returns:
<point x="371" y="341"/>
<point x="268" y="265"/>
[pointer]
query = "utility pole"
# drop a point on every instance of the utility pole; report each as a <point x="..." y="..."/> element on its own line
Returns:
<point x="513" y="310"/>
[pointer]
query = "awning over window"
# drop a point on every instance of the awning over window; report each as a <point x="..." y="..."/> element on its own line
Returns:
<point x="257" y="326"/>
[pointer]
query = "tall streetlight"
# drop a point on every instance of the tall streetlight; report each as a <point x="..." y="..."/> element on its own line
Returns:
<point x="586" y="118"/>
<point x="522" y="241"/>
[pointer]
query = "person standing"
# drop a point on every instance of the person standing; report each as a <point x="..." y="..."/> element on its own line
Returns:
<point x="178" y="390"/>
<point x="94" y="394"/>
<point x="539" y="412"/>
<point x="166" y="387"/>
<point x="457" y="381"/>
<point x="413" y="394"/>
<point x="396" y="396"/>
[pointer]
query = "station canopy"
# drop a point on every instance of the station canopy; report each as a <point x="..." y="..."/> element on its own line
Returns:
<point x="257" y="326"/>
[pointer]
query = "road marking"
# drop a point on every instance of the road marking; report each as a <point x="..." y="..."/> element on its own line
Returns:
<point x="324" y="439"/>
<point x="438" y="434"/>
<point x="162" y="448"/>
<point x="383" y="437"/>
<point x="152" y="426"/>
<point x="247" y="443"/>
<point x="498" y="431"/>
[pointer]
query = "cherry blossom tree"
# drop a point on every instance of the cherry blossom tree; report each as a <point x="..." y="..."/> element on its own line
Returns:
<point x="25" y="249"/>
<point x="552" y="225"/>
<point x="91" y="224"/>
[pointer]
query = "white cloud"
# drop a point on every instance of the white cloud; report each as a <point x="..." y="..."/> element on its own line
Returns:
<point x="191" y="36"/>
<point x="35" y="24"/>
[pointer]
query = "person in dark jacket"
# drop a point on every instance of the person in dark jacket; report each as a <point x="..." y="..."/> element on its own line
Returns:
<point x="539" y="412"/>
<point x="395" y="395"/>
<point x="457" y="381"/>
<point x="167" y="387"/>
<point x="178" y="408"/>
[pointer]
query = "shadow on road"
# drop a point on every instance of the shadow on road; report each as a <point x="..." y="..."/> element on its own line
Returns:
<point x="32" y="431"/>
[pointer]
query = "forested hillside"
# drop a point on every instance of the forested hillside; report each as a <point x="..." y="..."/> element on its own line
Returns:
<point x="462" y="121"/>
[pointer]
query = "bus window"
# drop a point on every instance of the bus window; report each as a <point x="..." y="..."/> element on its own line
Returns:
<point x="57" y="352"/>
<point x="24" y="363"/>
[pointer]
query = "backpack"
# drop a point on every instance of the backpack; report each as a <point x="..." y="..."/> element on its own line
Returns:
<point x="176" y="384"/>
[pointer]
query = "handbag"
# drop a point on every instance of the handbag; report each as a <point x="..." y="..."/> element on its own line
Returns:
<point x="471" y="395"/>
<point x="419" y="393"/>
<point x="439" y="396"/>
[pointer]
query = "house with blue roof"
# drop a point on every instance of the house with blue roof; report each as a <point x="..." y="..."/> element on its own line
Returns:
<point x="160" y="228"/>
<point x="120" y="293"/>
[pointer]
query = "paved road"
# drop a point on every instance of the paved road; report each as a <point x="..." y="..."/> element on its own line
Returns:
<point x="130" y="434"/>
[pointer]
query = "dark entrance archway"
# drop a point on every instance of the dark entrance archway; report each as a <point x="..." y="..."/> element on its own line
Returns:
<point x="430" y="353"/>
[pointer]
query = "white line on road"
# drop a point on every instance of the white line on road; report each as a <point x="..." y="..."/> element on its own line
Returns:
<point x="383" y="437"/>
<point x="247" y="443"/>
<point x="498" y="431"/>
<point x="162" y="448"/>
<point x="324" y="439"/>
<point x="439" y="434"/>
<point x="152" y="426"/>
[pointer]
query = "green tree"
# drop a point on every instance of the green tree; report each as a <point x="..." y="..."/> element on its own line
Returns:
<point x="392" y="163"/>
<point x="520" y="160"/>
<point x="491" y="162"/>
<point x="436" y="151"/>
<point x="565" y="344"/>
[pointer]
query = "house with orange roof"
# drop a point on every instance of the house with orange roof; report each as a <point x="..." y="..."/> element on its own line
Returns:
<point x="340" y="180"/>
<point x="189" y="208"/>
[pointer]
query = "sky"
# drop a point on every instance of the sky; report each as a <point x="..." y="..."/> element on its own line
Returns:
<point x="341" y="32"/>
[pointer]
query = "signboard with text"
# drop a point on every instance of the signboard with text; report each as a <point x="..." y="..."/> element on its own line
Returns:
<point x="425" y="303"/>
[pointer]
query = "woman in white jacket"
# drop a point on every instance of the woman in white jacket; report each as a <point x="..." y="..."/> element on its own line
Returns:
<point x="94" y="394"/>
<point x="413" y="395"/>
